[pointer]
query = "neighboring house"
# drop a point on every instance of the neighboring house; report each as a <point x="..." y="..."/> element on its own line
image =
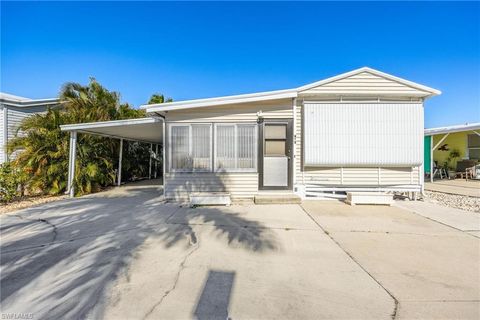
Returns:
<point x="440" y="142"/>
<point x="361" y="130"/>
<point x="13" y="109"/>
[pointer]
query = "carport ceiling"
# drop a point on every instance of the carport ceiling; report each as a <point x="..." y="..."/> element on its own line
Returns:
<point x="143" y="129"/>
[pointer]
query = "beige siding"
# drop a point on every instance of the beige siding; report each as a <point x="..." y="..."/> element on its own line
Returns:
<point x="16" y="115"/>
<point x="364" y="83"/>
<point x="234" y="113"/>
<point x="362" y="176"/>
<point x="239" y="185"/>
<point x="329" y="176"/>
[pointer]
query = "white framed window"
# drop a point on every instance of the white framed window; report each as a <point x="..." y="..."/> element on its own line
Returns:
<point x="473" y="141"/>
<point x="190" y="147"/>
<point x="235" y="147"/>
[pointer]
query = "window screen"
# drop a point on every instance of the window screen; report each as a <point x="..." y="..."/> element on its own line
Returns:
<point x="180" y="147"/>
<point x="474" y="146"/>
<point x="235" y="147"/>
<point x="247" y="146"/>
<point x="190" y="147"/>
<point x="225" y="142"/>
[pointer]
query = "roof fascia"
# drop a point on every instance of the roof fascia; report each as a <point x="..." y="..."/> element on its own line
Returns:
<point x="106" y="124"/>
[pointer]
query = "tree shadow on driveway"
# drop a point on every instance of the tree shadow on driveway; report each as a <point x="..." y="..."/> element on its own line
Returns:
<point x="57" y="260"/>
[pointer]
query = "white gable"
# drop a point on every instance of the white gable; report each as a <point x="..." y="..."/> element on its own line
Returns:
<point x="364" y="82"/>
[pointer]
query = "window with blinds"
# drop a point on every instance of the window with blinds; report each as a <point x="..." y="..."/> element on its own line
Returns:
<point x="236" y="147"/>
<point x="190" y="147"/>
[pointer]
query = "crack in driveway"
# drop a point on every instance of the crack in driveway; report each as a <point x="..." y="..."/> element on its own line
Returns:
<point x="193" y="241"/>
<point x="53" y="226"/>
<point x="394" y="313"/>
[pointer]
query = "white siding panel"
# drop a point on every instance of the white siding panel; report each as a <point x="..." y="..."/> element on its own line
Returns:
<point x="346" y="177"/>
<point x="239" y="185"/>
<point x="363" y="134"/>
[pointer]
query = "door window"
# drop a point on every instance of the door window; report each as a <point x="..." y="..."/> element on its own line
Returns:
<point x="275" y="140"/>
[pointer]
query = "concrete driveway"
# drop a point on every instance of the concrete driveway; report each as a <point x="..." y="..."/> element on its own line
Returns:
<point x="124" y="254"/>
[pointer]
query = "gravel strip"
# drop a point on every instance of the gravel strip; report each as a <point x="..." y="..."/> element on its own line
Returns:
<point x="454" y="201"/>
<point x="28" y="202"/>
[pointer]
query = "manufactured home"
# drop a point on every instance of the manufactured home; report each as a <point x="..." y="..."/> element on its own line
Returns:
<point x="358" y="131"/>
<point x="13" y="109"/>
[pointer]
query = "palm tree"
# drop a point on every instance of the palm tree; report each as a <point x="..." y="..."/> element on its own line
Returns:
<point x="158" y="98"/>
<point x="42" y="149"/>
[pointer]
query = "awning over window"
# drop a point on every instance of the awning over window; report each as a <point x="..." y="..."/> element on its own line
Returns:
<point x="148" y="130"/>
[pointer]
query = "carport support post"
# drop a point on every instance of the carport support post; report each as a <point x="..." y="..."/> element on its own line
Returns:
<point x="120" y="154"/>
<point x="71" y="163"/>
<point x="150" y="162"/>
<point x="156" y="161"/>
<point x="431" y="158"/>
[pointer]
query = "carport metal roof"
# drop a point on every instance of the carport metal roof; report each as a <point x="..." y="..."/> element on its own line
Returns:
<point x="148" y="130"/>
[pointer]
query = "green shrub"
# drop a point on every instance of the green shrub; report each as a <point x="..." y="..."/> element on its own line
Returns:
<point x="11" y="182"/>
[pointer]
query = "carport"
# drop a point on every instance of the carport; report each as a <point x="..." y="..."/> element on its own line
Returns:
<point x="149" y="130"/>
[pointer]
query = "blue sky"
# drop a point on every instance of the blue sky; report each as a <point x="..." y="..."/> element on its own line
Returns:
<point x="196" y="50"/>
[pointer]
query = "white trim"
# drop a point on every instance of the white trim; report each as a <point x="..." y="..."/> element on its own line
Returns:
<point x="71" y="164"/>
<point x="17" y="101"/>
<point x="106" y="124"/>
<point x="414" y="85"/>
<point x="261" y="96"/>
<point x="451" y="129"/>
<point x="29" y="104"/>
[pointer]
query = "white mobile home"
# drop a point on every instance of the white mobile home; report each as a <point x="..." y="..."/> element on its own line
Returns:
<point x="358" y="131"/>
<point x="13" y="109"/>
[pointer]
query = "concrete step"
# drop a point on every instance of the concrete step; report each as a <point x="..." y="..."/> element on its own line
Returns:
<point x="354" y="198"/>
<point x="210" y="199"/>
<point x="288" y="198"/>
